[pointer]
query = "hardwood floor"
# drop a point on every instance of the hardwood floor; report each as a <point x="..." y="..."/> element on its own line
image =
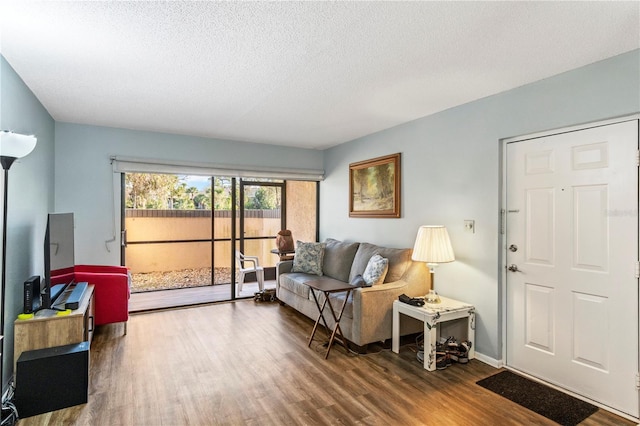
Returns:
<point x="247" y="363"/>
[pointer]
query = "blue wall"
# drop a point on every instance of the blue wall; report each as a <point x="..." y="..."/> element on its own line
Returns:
<point x="451" y="172"/>
<point x="31" y="195"/>
<point x="86" y="185"/>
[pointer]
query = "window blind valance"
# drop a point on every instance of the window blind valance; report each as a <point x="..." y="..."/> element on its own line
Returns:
<point x="147" y="165"/>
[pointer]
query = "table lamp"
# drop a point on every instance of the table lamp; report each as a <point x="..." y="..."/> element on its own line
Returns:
<point x="433" y="247"/>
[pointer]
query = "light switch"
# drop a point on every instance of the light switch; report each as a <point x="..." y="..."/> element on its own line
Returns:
<point x="470" y="226"/>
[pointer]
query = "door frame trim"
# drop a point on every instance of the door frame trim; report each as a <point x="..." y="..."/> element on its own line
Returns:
<point x="569" y="129"/>
<point x="502" y="243"/>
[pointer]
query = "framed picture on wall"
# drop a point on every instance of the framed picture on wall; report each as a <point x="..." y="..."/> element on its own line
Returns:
<point x="374" y="187"/>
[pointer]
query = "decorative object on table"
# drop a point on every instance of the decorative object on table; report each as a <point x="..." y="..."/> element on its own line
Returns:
<point x="284" y="241"/>
<point x="374" y="187"/>
<point x="12" y="147"/>
<point x="433" y="247"/>
<point x="432" y="297"/>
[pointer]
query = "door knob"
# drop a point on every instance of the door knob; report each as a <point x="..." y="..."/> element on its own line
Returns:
<point x="513" y="248"/>
<point x="513" y="268"/>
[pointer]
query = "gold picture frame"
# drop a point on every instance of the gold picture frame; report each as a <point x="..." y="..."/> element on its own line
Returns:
<point x="374" y="187"/>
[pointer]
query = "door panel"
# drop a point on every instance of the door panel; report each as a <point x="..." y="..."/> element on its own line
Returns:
<point x="540" y="230"/>
<point x="539" y="317"/>
<point x="572" y="302"/>
<point x="590" y="234"/>
<point x="590" y="318"/>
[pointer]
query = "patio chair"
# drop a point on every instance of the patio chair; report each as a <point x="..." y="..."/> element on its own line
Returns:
<point x="245" y="269"/>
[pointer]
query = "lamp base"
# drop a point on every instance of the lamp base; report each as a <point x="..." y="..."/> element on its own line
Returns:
<point x="432" y="297"/>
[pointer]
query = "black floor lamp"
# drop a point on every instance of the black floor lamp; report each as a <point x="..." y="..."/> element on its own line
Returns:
<point x="12" y="147"/>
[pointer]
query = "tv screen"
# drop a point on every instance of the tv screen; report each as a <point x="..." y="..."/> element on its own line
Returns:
<point x="59" y="258"/>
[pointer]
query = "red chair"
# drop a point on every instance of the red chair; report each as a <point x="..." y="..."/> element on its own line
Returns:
<point x="111" y="290"/>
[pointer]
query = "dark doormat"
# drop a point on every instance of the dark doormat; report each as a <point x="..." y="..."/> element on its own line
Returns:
<point x="553" y="404"/>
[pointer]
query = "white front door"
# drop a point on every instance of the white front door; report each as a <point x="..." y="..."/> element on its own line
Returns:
<point x="572" y="249"/>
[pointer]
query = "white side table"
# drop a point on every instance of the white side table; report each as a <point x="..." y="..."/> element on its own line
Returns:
<point x="431" y="315"/>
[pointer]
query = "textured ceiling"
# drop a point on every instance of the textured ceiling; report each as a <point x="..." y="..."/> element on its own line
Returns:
<point x="307" y="74"/>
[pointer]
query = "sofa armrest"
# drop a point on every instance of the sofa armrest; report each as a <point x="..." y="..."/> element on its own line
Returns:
<point x="414" y="283"/>
<point x="283" y="267"/>
<point x="368" y="302"/>
<point x="373" y="306"/>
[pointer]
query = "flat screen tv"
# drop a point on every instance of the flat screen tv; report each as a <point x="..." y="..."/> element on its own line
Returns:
<point x="59" y="258"/>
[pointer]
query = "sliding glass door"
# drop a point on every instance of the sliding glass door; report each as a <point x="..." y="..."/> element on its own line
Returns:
<point x="167" y="231"/>
<point x="182" y="232"/>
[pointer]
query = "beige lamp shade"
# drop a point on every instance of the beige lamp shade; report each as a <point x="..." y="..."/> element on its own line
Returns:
<point x="14" y="145"/>
<point x="433" y="245"/>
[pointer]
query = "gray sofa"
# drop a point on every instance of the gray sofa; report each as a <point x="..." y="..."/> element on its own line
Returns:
<point x="368" y="314"/>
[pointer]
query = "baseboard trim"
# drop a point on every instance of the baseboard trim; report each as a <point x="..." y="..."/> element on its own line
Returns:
<point x="495" y="363"/>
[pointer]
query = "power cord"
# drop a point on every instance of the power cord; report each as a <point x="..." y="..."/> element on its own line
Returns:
<point x="9" y="410"/>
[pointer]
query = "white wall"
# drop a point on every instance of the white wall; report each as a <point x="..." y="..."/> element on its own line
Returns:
<point x="84" y="179"/>
<point x="30" y="196"/>
<point x="451" y="172"/>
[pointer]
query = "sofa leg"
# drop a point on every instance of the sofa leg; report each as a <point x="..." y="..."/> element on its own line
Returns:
<point x="125" y="328"/>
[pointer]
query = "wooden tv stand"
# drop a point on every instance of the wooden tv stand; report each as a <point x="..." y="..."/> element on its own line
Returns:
<point x="48" y="329"/>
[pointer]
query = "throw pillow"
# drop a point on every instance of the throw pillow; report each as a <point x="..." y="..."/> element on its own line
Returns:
<point x="308" y="258"/>
<point x="358" y="281"/>
<point x="376" y="270"/>
<point x="338" y="258"/>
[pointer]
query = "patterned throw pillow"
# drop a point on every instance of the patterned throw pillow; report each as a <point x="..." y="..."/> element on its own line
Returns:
<point x="376" y="270"/>
<point x="308" y="258"/>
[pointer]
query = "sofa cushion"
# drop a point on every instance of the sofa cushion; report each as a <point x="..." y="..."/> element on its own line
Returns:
<point x="338" y="257"/>
<point x="295" y="282"/>
<point x="399" y="260"/>
<point x="376" y="270"/>
<point x="309" y="258"/>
